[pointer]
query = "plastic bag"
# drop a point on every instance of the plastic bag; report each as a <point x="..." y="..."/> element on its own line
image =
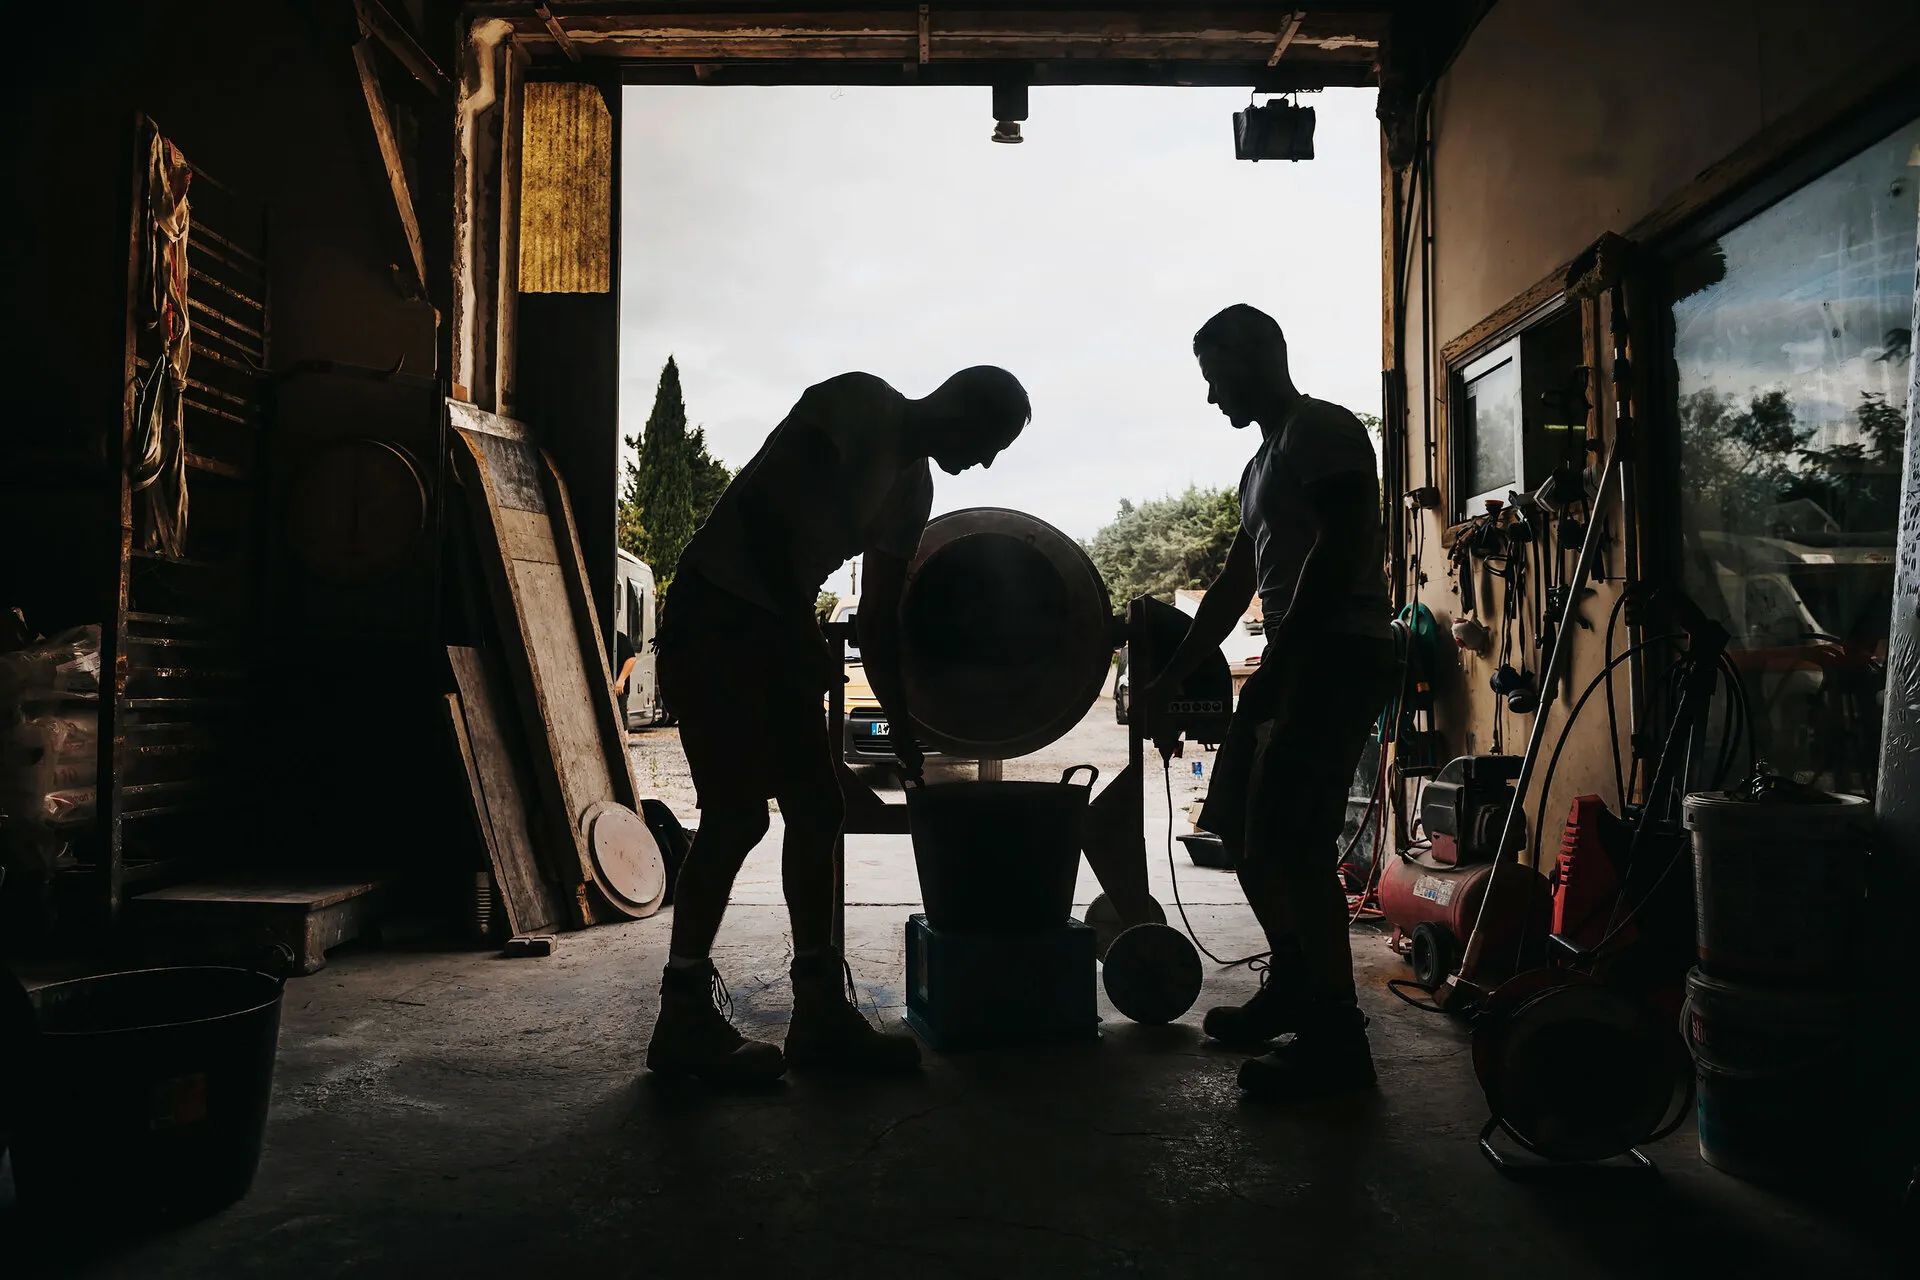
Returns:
<point x="66" y="665"/>
<point x="48" y="767"/>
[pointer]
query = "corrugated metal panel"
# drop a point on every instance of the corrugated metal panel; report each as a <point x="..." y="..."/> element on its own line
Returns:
<point x="566" y="190"/>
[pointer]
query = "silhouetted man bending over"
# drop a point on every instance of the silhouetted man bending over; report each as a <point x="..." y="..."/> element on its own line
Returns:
<point x="1309" y="543"/>
<point x="744" y="667"/>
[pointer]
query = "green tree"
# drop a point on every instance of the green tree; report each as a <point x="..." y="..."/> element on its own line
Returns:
<point x="673" y="485"/>
<point x="1166" y="544"/>
<point x="1859" y="483"/>
<point x="1737" y="462"/>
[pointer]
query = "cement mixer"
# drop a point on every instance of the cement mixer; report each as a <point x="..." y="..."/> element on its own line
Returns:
<point x="1007" y="636"/>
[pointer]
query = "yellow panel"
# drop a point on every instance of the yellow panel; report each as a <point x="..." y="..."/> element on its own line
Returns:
<point x="566" y="190"/>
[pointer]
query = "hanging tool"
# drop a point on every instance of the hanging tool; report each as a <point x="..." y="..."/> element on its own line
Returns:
<point x="1600" y="270"/>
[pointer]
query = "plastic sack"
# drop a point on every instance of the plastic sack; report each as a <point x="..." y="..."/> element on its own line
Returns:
<point x="48" y="768"/>
<point x="66" y="665"/>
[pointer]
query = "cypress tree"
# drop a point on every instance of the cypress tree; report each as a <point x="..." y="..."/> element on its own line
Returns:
<point x="663" y="482"/>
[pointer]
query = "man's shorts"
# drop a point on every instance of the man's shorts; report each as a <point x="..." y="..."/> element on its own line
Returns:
<point x="749" y="694"/>
<point x="1279" y="788"/>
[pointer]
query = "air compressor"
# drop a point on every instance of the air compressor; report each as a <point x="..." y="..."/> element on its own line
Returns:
<point x="1432" y="897"/>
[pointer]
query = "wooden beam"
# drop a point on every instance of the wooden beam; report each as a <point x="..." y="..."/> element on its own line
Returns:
<point x="1249" y="36"/>
<point x="390" y="160"/>
<point x="375" y="21"/>
<point x="1287" y="36"/>
<point x="559" y="32"/>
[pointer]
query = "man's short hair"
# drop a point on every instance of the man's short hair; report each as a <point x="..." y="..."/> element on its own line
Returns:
<point x="988" y="393"/>
<point x="1244" y="332"/>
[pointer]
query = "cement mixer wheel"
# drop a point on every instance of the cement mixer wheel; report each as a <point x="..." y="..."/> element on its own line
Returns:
<point x="1152" y="973"/>
<point x="1104" y="919"/>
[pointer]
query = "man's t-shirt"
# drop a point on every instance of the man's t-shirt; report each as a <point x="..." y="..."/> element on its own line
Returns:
<point x="878" y="498"/>
<point x="1316" y="441"/>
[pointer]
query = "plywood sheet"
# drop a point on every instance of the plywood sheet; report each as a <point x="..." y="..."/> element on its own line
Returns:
<point x="566" y="190"/>
<point x="563" y="685"/>
<point x="481" y="715"/>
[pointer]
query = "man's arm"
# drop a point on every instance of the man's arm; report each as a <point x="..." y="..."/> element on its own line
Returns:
<point x="1222" y="607"/>
<point x="1346" y="511"/>
<point x="626" y="670"/>
<point x="879" y="627"/>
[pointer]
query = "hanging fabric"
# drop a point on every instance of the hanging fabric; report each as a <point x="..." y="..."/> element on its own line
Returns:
<point x="156" y="444"/>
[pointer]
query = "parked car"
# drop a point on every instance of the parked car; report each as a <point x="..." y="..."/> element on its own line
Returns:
<point x="865" y="737"/>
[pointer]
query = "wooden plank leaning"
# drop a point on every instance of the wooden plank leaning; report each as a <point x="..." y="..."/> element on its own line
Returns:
<point x="550" y="632"/>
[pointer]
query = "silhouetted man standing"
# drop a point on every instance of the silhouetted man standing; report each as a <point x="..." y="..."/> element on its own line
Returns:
<point x="1309" y="544"/>
<point x="744" y="667"/>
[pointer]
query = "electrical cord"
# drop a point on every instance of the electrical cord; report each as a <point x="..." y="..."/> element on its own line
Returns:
<point x="1679" y="846"/>
<point x="1553" y="762"/>
<point x="1613" y="713"/>
<point x="1258" y="958"/>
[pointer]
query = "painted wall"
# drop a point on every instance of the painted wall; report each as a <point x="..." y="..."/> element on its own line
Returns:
<point x="1558" y="122"/>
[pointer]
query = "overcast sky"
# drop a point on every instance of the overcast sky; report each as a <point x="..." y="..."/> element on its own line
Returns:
<point x="774" y="237"/>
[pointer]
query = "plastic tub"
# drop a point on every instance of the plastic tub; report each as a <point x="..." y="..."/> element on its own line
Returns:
<point x="145" y="1096"/>
<point x="1780" y="888"/>
<point x="998" y="857"/>
<point x="1787" y="1090"/>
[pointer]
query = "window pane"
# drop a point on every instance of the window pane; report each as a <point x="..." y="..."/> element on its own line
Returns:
<point x="1493" y="426"/>
<point x="1792" y="339"/>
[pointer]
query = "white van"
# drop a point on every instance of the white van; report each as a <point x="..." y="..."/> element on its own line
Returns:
<point x="633" y="617"/>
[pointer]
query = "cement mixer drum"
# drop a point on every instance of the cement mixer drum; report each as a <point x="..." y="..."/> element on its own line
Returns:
<point x="1005" y="634"/>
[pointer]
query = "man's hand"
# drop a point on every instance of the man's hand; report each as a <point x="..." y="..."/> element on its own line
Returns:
<point x="913" y="761"/>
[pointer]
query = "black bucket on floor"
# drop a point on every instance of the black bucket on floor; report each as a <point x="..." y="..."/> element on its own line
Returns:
<point x="998" y="857"/>
<point x="145" y="1094"/>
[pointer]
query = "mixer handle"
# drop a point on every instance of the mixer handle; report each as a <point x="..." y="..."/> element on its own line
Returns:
<point x="1093" y="775"/>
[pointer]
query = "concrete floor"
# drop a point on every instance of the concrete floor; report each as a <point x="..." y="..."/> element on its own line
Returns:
<point x="453" y="1114"/>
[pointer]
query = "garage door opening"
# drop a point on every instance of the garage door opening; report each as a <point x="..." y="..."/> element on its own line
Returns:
<point x="775" y="236"/>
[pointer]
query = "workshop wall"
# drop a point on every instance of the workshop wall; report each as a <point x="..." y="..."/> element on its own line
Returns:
<point x="265" y="98"/>
<point x="1554" y="124"/>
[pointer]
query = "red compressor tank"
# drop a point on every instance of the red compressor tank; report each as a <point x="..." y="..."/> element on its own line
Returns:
<point x="1436" y="906"/>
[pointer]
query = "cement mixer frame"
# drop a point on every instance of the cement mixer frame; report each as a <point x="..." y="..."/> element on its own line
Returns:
<point x="1114" y="841"/>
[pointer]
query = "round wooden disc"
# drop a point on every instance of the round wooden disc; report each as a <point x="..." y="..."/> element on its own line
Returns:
<point x="1152" y="973"/>
<point x="1104" y="919"/>
<point x="626" y="860"/>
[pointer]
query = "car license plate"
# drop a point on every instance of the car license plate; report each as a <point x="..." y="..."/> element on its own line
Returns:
<point x="880" y="729"/>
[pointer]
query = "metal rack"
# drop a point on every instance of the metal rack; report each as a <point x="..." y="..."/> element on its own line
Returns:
<point x="179" y="642"/>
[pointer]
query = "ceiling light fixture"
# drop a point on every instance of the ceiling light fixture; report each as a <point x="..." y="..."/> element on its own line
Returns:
<point x="1009" y="109"/>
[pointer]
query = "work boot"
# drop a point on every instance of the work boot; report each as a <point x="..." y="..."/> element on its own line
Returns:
<point x="1330" y="1057"/>
<point x="829" y="1032"/>
<point x="694" y="1036"/>
<point x="1276" y="1008"/>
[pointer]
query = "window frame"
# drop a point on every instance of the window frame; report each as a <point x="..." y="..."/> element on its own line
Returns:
<point x="1663" y="555"/>
<point x="1510" y="343"/>
<point x="1652" y="291"/>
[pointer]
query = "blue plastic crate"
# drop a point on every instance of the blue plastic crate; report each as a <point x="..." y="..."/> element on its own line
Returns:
<point x="976" y="990"/>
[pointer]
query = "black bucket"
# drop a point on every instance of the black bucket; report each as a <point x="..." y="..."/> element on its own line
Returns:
<point x="145" y="1095"/>
<point x="998" y="857"/>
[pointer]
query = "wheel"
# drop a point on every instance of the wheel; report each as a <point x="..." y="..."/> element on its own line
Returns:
<point x="1152" y="973"/>
<point x="1104" y="919"/>
<point x="1432" y="954"/>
